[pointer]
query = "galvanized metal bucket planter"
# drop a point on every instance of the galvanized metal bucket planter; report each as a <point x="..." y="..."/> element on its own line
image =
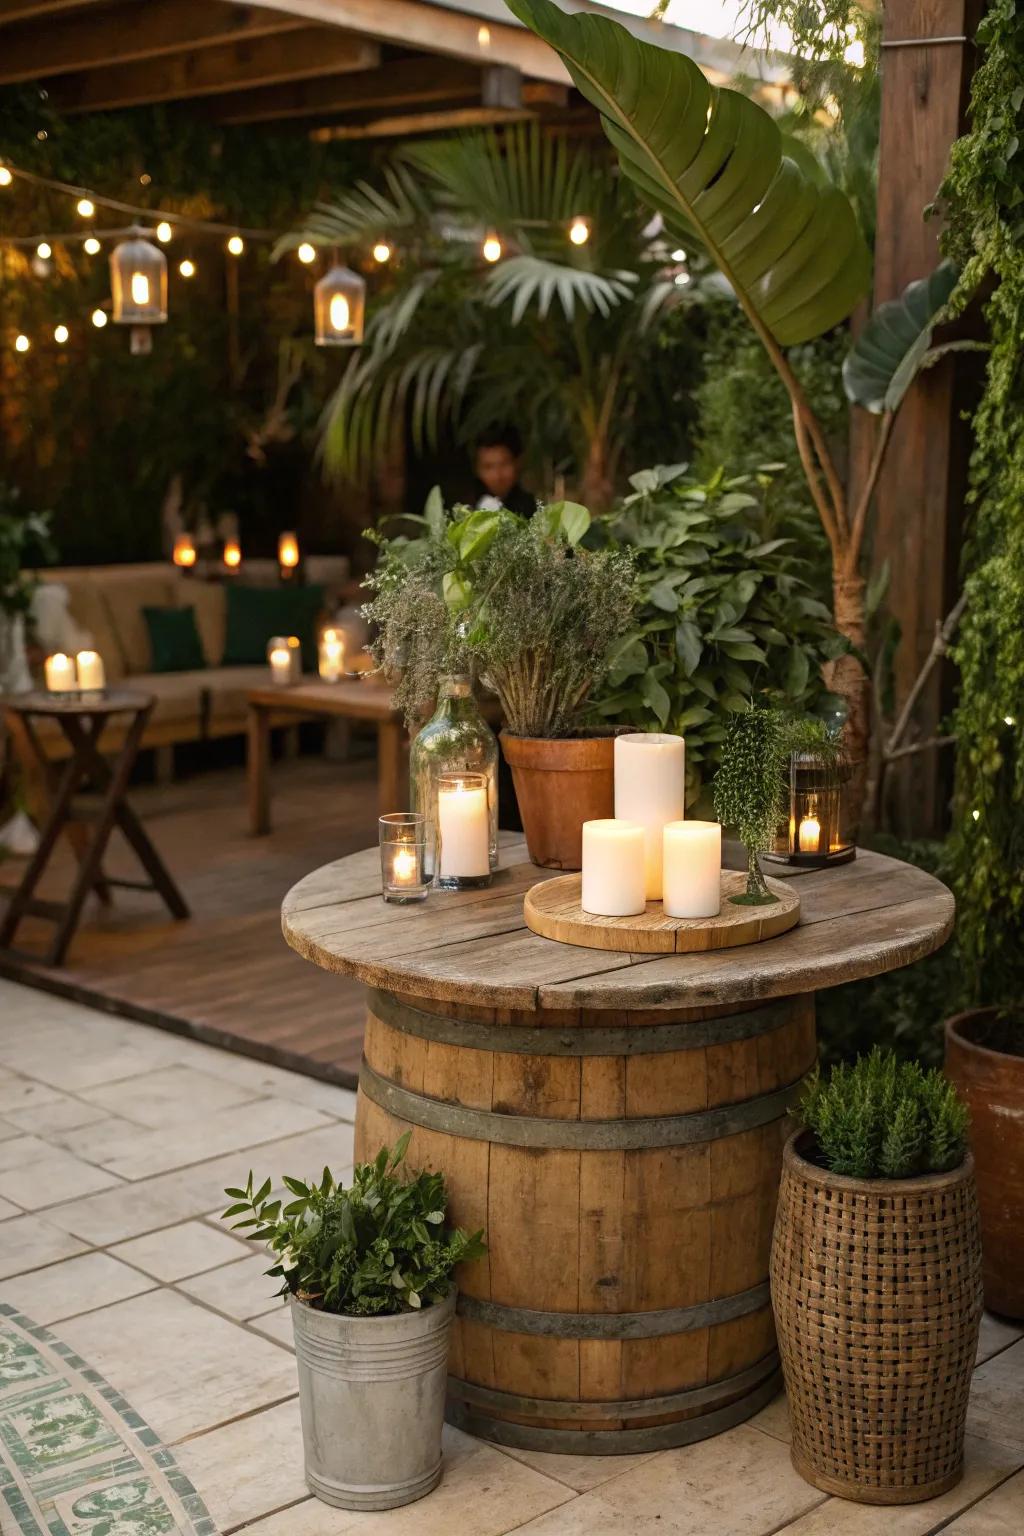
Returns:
<point x="371" y="1394"/>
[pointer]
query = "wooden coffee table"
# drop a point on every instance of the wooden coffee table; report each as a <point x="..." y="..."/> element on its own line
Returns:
<point x="350" y="699"/>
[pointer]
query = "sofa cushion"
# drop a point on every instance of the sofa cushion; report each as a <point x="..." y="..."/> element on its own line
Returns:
<point x="228" y="689"/>
<point x="178" y="697"/>
<point x="125" y="595"/>
<point x="209" y="600"/>
<point x="256" y="614"/>
<point x="174" y="639"/>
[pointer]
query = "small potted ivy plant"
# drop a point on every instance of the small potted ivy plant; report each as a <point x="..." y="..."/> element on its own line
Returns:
<point x="876" y="1281"/>
<point x="368" y="1271"/>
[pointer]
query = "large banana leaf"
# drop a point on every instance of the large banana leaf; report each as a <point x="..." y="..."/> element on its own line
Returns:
<point x="712" y="162"/>
<point x="893" y="347"/>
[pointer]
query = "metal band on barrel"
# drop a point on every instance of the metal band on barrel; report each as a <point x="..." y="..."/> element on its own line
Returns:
<point x="576" y="1135"/>
<point x="614" y="1325"/>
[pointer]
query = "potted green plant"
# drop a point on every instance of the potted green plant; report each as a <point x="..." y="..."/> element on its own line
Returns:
<point x="985" y="1060"/>
<point x="523" y="604"/>
<point x="876" y="1281"/>
<point x="368" y="1271"/>
<point x="23" y="536"/>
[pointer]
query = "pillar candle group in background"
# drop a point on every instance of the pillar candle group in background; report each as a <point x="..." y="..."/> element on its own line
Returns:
<point x="692" y="864"/>
<point x="650" y="788"/>
<point x="614" y="868"/>
<point x="61" y="676"/>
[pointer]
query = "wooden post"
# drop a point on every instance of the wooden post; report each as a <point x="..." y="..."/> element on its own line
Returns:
<point x="927" y="61"/>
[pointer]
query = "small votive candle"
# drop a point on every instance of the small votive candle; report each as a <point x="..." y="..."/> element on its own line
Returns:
<point x="61" y="676"/>
<point x="614" y="868"/>
<point x="285" y="657"/>
<point x="287" y="553"/>
<point x="809" y="835"/>
<point x="692" y="868"/>
<point x="402" y="847"/>
<point x="92" y="677"/>
<point x="232" y="554"/>
<point x="331" y="657"/>
<point x="463" y="831"/>
<point x="184" y="551"/>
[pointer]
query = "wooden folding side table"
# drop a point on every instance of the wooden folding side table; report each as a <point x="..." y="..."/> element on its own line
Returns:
<point x="83" y="719"/>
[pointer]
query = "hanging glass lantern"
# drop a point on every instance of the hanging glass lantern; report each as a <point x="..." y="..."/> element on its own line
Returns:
<point x="815" y="832"/>
<point x="138" y="285"/>
<point x="456" y="739"/>
<point x="339" y="308"/>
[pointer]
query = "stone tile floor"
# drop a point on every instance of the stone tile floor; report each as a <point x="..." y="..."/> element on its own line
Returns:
<point x="115" y="1144"/>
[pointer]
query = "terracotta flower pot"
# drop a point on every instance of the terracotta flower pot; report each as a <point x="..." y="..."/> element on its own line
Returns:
<point x="985" y="1060"/>
<point x="560" y="784"/>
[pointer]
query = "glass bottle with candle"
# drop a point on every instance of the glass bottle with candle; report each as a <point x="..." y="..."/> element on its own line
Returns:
<point x="456" y="739"/>
<point x="462" y="853"/>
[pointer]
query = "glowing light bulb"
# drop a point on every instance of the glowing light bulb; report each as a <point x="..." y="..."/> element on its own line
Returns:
<point x="975" y="815"/>
<point x="491" y="249"/>
<point x="1009" y="720"/>
<point x="679" y="255"/>
<point x="164" y="231"/>
<point x="44" y="250"/>
<point x="381" y="252"/>
<point x="99" y="318"/>
<point x="681" y="279"/>
<point x="483" y="37"/>
<point x="306" y="253"/>
<point x="91" y="246"/>
<point x="86" y="207"/>
<point x="60" y="334"/>
<point x="236" y="245"/>
<point x="579" y="231"/>
<point x="140" y="289"/>
<point x="339" y="312"/>
<point x="5" y="176"/>
<point x="21" y="343"/>
<point x="187" y="268"/>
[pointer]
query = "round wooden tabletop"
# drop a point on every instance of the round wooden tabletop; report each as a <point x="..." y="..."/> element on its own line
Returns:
<point x="105" y="701"/>
<point x="860" y="919"/>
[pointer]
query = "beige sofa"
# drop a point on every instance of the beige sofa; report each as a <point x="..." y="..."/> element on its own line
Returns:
<point x="107" y="603"/>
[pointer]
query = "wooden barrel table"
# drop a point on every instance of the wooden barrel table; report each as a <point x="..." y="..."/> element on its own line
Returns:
<point x="614" y="1122"/>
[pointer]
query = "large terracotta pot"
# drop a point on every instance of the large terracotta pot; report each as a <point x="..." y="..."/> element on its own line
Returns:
<point x="985" y="1059"/>
<point x="560" y="784"/>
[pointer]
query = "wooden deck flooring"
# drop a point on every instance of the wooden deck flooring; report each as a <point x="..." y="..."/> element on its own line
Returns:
<point x="225" y="976"/>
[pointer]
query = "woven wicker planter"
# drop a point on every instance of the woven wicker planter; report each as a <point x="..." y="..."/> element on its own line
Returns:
<point x="876" y="1286"/>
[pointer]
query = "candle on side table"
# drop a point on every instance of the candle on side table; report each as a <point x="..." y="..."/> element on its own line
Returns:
<point x="285" y="657"/>
<point x="650" y="788"/>
<point x="331" y="655"/>
<point x="614" y="868"/>
<point x="92" y="675"/>
<point x="463" y="828"/>
<point x="692" y="869"/>
<point x="60" y="673"/>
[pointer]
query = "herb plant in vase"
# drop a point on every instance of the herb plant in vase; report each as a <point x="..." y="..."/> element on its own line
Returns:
<point x="368" y="1270"/>
<point x="876" y="1281"/>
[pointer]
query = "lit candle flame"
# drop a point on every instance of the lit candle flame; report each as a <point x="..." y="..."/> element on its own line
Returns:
<point x="339" y="313"/>
<point x="810" y="835"/>
<point x="140" y="289"/>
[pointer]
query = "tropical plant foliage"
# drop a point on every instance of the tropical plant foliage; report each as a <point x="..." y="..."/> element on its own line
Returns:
<point x="896" y="343"/>
<point x="728" y="612"/>
<point x="885" y="1119"/>
<point x="378" y="1247"/>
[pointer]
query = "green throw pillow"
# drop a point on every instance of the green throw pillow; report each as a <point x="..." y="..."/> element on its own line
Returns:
<point x="174" y="639"/>
<point x="256" y="614"/>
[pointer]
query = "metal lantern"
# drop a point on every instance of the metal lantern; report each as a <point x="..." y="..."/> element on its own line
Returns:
<point x="138" y="284"/>
<point x="815" y="832"/>
<point x="339" y="308"/>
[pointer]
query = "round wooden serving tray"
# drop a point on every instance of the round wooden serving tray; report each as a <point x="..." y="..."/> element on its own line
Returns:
<point x="552" y="909"/>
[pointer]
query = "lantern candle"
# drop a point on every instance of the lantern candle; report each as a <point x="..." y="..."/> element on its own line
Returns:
<point x="614" y="868"/>
<point x="60" y="673"/>
<point x="285" y="657"/>
<point x="692" y="868"/>
<point x="287" y="554"/>
<point x="91" y="673"/>
<point x="809" y="835"/>
<point x="650" y="788"/>
<point x="232" y="554"/>
<point x="463" y="829"/>
<point x="331" y="659"/>
<point x="184" y="551"/>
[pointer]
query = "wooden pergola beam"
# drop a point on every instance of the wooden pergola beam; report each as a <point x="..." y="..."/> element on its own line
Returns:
<point x="409" y="124"/>
<point x="401" y="83"/>
<point x="32" y="10"/>
<point x="129" y="33"/>
<point x="311" y="52"/>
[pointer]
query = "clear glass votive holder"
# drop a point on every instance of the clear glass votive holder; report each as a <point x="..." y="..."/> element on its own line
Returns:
<point x="462" y="859"/>
<point x="402" y="861"/>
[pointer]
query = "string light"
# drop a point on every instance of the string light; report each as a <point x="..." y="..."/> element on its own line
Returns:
<point x="579" y="231"/>
<point x="679" y="255"/>
<point x="187" y="268"/>
<point x="85" y="207"/>
<point x="164" y="232"/>
<point x="236" y="245"/>
<point x="491" y="248"/>
<point x="99" y="318"/>
<point x="21" y="343"/>
<point x="60" y="334"/>
<point x="681" y="279"/>
<point x="5" y="176"/>
<point x="1009" y="720"/>
<point x="975" y="815"/>
<point x="306" y="253"/>
<point x="44" y="251"/>
<point x="381" y="252"/>
<point x="91" y="246"/>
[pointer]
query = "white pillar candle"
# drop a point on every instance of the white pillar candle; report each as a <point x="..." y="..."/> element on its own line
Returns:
<point x="650" y="787"/>
<point x="614" y="868"/>
<point x="332" y="655"/>
<point x="91" y="673"/>
<point x="692" y="868"/>
<point x="60" y="673"/>
<point x="463" y="824"/>
<point x="281" y="665"/>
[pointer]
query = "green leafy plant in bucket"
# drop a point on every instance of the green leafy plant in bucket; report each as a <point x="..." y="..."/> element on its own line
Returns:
<point x="377" y="1248"/>
<point x="885" y="1119"/>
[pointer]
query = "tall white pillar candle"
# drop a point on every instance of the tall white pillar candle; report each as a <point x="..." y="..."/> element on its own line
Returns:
<point x="91" y="674"/>
<point x="464" y="827"/>
<point x="60" y="673"/>
<point x="614" y="868"/>
<point x="692" y="868"/>
<point x="281" y="666"/>
<point x="650" y="787"/>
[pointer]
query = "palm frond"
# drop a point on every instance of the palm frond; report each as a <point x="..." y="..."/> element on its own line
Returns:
<point x="364" y="213"/>
<point x="529" y="279"/>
